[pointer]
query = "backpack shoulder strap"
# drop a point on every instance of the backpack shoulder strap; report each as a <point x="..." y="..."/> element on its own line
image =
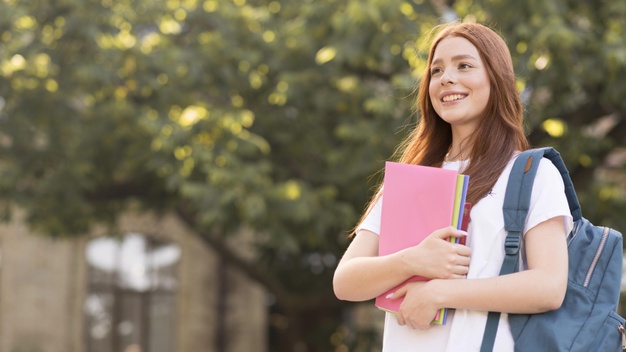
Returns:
<point x="515" y="209"/>
<point x="554" y="156"/>
<point x="520" y="186"/>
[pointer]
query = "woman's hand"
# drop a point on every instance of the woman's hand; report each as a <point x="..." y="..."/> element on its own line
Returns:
<point x="436" y="258"/>
<point x="419" y="308"/>
<point x="362" y="274"/>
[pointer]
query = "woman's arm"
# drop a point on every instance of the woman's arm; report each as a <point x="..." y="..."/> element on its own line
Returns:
<point x="539" y="289"/>
<point x="362" y="275"/>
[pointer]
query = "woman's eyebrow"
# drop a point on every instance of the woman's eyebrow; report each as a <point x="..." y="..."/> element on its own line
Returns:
<point x="456" y="58"/>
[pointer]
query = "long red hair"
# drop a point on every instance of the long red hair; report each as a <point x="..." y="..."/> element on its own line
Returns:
<point x="499" y="133"/>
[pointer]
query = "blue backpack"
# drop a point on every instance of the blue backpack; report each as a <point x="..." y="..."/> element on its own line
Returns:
<point x="587" y="321"/>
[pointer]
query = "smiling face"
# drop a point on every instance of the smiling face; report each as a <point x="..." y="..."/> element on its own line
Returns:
<point x="459" y="86"/>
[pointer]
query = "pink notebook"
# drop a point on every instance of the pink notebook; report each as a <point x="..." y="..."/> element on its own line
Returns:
<point x="417" y="200"/>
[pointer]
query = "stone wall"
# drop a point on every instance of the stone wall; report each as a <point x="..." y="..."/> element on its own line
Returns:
<point x="43" y="285"/>
<point x="38" y="292"/>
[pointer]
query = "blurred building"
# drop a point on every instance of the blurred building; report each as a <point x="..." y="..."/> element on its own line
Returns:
<point x="154" y="288"/>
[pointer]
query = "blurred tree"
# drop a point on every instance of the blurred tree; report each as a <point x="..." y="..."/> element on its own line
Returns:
<point x="271" y="116"/>
<point x="571" y="61"/>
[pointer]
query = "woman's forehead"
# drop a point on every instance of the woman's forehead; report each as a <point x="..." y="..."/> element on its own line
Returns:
<point x="455" y="47"/>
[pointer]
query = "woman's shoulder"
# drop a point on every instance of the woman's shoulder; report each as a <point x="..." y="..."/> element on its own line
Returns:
<point x="547" y="174"/>
<point x="545" y="171"/>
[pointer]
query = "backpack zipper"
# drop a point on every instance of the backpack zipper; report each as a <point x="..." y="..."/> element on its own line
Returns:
<point x="622" y="331"/>
<point x="597" y="257"/>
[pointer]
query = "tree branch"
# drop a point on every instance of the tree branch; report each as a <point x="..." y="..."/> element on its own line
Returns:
<point x="284" y="298"/>
<point x="228" y="254"/>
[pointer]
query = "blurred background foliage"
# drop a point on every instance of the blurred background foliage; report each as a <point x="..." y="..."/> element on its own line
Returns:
<point x="275" y="116"/>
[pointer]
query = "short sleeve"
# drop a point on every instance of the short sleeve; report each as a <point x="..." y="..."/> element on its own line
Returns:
<point x="548" y="198"/>
<point x="372" y="220"/>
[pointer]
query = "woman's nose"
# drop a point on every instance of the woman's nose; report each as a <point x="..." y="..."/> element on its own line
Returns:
<point x="447" y="77"/>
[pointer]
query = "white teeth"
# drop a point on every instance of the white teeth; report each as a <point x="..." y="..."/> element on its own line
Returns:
<point x="453" y="97"/>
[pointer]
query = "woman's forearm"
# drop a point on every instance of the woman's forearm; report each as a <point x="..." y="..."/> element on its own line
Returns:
<point x="529" y="291"/>
<point x="364" y="278"/>
<point x="540" y="288"/>
<point x="362" y="275"/>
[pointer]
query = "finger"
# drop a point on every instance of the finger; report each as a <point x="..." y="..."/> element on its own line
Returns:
<point x="401" y="320"/>
<point x="463" y="250"/>
<point x="454" y="232"/>
<point x="445" y="233"/>
<point x="409" y="323"/>
<point x="463" y="261"/>
<point x="425" y="326"/>
<point x="450" y="231"/>
<point x="415" y="324"/>
<point x="399" y="293"/>
<point x="461" y="271"/>
<point x="456" y="277"/>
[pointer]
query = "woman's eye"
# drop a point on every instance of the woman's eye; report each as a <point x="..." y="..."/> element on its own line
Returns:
<point x="435" y="71"/>
<point x="464" y="66"/>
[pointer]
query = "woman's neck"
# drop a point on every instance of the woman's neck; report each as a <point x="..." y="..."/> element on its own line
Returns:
<point x="456" y="156"/>
<point x="459" y="152"/>
<point x="461" y="147"/>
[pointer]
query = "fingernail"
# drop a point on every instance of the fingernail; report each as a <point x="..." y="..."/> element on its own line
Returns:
<point x="389" y="295"/>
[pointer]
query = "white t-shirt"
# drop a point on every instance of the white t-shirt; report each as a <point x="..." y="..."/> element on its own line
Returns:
<point x="464" y="329"/>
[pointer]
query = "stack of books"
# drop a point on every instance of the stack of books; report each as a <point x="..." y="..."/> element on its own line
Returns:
<point x="418" y="200"/>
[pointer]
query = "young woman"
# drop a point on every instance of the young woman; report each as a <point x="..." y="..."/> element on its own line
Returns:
<point x="471" y="122"/>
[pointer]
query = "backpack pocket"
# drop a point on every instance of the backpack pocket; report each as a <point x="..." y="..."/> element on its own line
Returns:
<point x="610" y="335"/>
